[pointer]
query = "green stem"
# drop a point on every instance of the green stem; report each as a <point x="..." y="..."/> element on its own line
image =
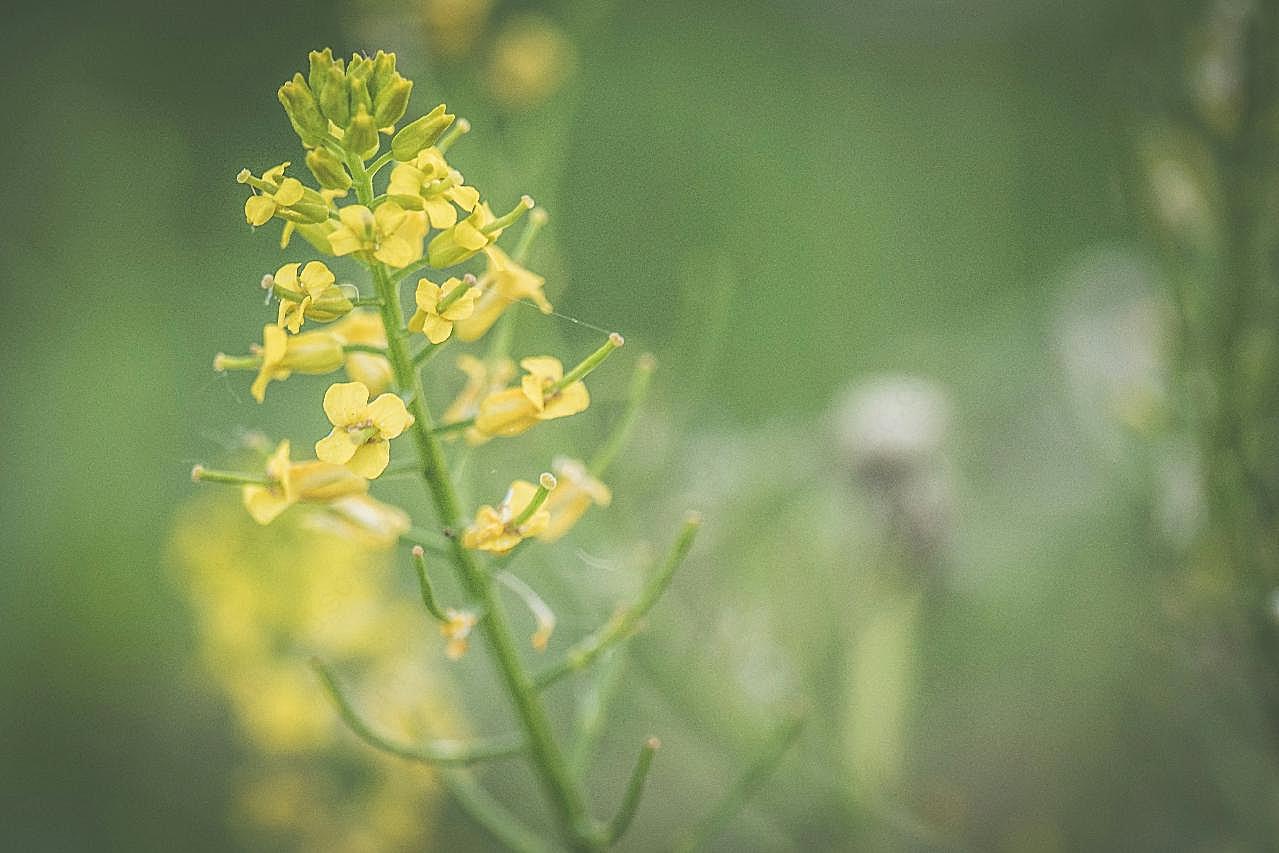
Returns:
<point x="548" y="760"/>
<point x="405" y="272"/>
<point x="588" y="364"/>
<point x="443" y="753"/>
<point x="490" y="814"/>
<point x="634" y="790"/>
<point x="200" y="474"/>
<point x="428" y="352"/>
<point x="363" y="301"/>
<point x="455" y="426"/>
<point x="635" y="397"/>
<point x="376" y="165"/>
<point x="745" y="786"/>
<point x="424" y="582"/>
<point x="581" y="653"/>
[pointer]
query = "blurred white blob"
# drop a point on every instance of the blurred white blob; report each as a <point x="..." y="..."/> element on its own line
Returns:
<point x="891" y="430"/>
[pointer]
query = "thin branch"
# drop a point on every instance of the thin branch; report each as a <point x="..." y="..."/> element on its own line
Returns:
<point x="581" y="653"/>
<point x="634" y="790"/>
<point x="635" y="395"/>
<point x="445" y="753"/>
<point x="490" y="814"/>
<point x="745" y="786"/>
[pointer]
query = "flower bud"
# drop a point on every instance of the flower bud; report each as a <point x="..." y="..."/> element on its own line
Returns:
<point x="383" y="72"/>
<point x="317" y="76"/>
<point x="360" y="137"/>
<point x="313" y="352"/>
<point x="328" y="169"/>
<point x="334" y="101"/>
<point x="357" y="85"/>
<point x="303" y="110"/>
<point x="304" y="212"/>
<point x="391" y="102"/>
<point x="330" y="305"/>
<point x="420" y="133"/>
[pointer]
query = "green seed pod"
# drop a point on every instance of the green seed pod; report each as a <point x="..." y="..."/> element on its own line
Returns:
<point x="391" y="102"/>
<point x="420" y="133"/>
<point x="328" y="169"/>
<point x="303" y="110"/>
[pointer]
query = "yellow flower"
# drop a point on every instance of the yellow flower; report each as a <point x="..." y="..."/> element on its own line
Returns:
<point x="279" y="196"/>
<point x="516" y="410"/>
<point x="361" y="433"/>
<point x="482" y="379"/>
<point x="363" y="519"/>
<point x="437" y="323"/>
<point x="576" y="493"/>
<point x="321" y="299"/>
<point x="494" y="528"/>
<point x="457" y="631"/>
<point x="309" y="352"/>
<point x="504" y="283"/>
<point x="291" y="482"/>
<point x="430" y="184"/>
<point x="393" y="235"/>
<point x="365" y="327"/>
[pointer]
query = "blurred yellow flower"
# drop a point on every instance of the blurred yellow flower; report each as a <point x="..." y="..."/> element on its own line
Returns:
<point x="365" y="327"/>
<point x="576" y="492"/>
<point x="452" y="26"/>
<point x="309" y="352"/>
<point x="494" y="529"/>
<point x="504" y="282"/>
<point x="457" y="631"/>
<point x="393" y="235"/>
<point x="297" y="481"/>
<point x="531" y="58"/>
<point x="360" y="438"/>
<point x="516" y="410"/>
<point x="436" y="321"/>
<point x="482" y="379"/>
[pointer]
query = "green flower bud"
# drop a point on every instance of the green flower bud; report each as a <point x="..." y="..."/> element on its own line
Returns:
<point x="358" y="92"/>
<point x="304" y="213"/>
<point x="321" y="62"/>
<point x="334" y="101"/>
<point x="420" y="133"/>
<point x="330" y="305"/>
<point x="360" y="137"/>
<point x="391" y="102"/>
<point x="328" y="169"/>
<point x="303" y="111"/>
<point x="383" y="72"/>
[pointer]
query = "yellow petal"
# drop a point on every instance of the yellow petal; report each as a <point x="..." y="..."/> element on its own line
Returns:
<point x="570" y="401"/>
<point x="287" y="277"/>
<point x="371" y="459"/>
<point x="258" y="209"/>
<point x="289" y="193"/>
<point x="535" y="390"/>
<point x="440" y="212"/>
<point x="359" y="219"/>
<point x="389" y="415"/>
<point x="405" y="180"/>
<point x="336" y="448"/>
<point x="264" y="504"/>
<point x="437" y="329"/>
<point x="388" y="217"/>
<point x="397" y="252"/>
<point x="506" y="413"/>
<point x="464" y="197"/>
<point x="469" y="237"/>
<point x="344" y="402"/>
<point x="544" y="367"/>
<point x="343" y="242"/>
<point x="427" y="295"/>
<point x="316" y="277"/>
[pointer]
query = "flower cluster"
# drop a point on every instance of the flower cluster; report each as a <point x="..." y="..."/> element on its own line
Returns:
<point x="421" y="225"/>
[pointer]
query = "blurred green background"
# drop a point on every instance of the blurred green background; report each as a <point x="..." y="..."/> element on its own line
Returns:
<point x="960" y="571"/>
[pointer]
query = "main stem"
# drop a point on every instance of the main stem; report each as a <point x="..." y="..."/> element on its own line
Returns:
<point x="549" y="762"/>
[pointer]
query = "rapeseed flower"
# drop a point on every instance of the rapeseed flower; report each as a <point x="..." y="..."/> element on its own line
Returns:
<point x="291" y="482"/>
<point x="390" y="234"/>
<point x="577" y="492"/>
<point x="362" y="430"/>
<point x="504" y="283"/>
<point x="521" y="514"/>
<point x="318" y="296"/>
<point x="438" y="307"/>
<point x="428" y="183"/>
<point x="537" y="398"/>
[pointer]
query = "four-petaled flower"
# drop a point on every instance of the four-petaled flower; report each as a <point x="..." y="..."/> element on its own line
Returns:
<point x="317" y="289"/>
<point x="483" y="377"/>
<point x="454" y="245"/>
<point x="504" y="283"/>
<point x="291" y="482"/>
<point x="428" y="180"/>
<point x="539" y="397"/>
<point x="361" y="433"/>
<point x="494" y="528"/>
<point x="259" y="208"/>
<point x="390" y="233"/>
<point x="436" y="322"/>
